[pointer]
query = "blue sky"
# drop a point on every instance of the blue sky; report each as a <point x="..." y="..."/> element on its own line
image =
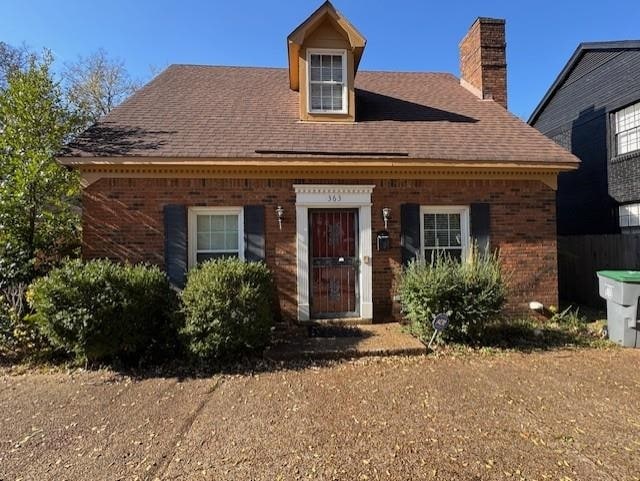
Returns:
<point x="409" y="35"/>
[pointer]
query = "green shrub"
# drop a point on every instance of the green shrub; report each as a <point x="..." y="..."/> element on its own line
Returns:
<point x="472" y="292"/>
<point x="18" y="268"/>
<point x="102" y="311"/>
<point x="18" y="336"/>
<point x="227" y="308"/>
<point x="7" y="342"/>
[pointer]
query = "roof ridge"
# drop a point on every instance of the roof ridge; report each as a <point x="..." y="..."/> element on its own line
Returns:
<point x="607" y="44"/>
<point x="257" y="67"/>
<point x="411" y="72"/>
<point x="202" y="65"/>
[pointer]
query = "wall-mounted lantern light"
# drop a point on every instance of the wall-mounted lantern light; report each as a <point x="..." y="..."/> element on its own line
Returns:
<point x="280" y="215"/>
<point x="386" y="215"/>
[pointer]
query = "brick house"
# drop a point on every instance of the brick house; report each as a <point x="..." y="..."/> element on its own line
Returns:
<point x="335" y="177"/>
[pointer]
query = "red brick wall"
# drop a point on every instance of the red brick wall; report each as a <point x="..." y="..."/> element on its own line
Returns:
<point x="122" y="219"/>
<point x="483" y="61"/>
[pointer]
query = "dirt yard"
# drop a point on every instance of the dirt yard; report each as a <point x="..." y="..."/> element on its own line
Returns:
<point x="557" y="415"/>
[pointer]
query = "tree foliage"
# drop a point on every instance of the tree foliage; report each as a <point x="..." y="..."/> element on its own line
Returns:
<point x="96" y="84"/>
<point x="12" y="59"/>
<point x="38" y="217"/>
<point x="39" y="222"/>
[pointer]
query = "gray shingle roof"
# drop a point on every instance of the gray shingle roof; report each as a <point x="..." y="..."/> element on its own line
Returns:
<point x="238" y="112"/>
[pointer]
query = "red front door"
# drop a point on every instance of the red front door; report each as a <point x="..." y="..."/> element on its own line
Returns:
<point x="334" y="262"/>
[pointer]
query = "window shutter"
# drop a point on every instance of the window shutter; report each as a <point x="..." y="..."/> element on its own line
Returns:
<point x="480" y="226"/>
<point x="175" y="244"/>
<point x="409" y="232"/>
<point x="254" y="233"/>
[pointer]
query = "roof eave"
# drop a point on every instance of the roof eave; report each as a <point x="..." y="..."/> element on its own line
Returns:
<point x="328" y="161"/>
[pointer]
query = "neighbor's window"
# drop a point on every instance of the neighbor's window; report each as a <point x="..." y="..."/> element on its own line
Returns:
<point x="327" y="81"/>
<point x="445" y="230"/>
<point x="215" y="233"/>
<point x="629" y="215"/>
<point x="627" y="126"/>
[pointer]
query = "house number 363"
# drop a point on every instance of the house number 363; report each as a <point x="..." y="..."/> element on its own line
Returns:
<point x="335" y="198"/>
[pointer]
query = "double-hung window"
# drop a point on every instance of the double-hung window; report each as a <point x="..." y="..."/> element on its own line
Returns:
<point x="629" y="215"/>
<point x="327" y="74"/>
<point x="444" y="230"/>
<point x="215" y="232"/>
<point x="627" y="129"/>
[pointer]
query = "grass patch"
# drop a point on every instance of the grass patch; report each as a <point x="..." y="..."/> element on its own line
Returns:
<point x="527" y="335"/>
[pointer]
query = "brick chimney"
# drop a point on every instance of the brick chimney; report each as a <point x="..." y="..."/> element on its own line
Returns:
<point x="483" y="60"/>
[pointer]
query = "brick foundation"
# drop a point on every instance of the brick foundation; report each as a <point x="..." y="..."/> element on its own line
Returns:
<point x="123" y="220"/>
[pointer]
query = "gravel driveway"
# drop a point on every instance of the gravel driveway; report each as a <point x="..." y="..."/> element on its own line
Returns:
<point x="557" y="415"/>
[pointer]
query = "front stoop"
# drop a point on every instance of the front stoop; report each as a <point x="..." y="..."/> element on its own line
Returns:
<point x="337" y="321"/>
<point x="364" y="340"/>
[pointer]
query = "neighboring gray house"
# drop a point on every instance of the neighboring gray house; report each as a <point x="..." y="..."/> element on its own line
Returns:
<point x="593" y="110"/>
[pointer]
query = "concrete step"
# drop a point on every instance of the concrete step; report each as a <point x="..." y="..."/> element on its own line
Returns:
<point x="338" y="321"/>
<point x="371" y="340"/>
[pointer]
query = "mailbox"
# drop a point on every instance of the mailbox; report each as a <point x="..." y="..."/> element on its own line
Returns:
<point x="383" y="240"/>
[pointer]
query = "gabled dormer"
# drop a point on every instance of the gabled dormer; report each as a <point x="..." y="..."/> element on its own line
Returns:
<point x="324" y="54"/>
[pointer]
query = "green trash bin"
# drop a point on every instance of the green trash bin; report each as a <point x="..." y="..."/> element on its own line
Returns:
<point x="621" y="290"/>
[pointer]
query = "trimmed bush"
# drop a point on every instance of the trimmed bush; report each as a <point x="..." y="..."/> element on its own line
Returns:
<point x="102" y="311"/>
<point x="227" y="308"/>
<point x="472" y="292"/>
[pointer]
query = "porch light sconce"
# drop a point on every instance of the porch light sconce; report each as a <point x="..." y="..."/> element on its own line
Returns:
<point x="280" y="215"/>
<point x="386" y="215"/>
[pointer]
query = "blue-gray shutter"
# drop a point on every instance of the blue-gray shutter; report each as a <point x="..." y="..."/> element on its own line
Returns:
<point x="175" y="244"/>
<point x="409" y="232"/>
<point x="254" y="233"/>
<point x="480" y="226"/>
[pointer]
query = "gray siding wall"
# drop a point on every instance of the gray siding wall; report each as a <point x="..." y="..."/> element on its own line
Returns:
<point x="578" y="118"/>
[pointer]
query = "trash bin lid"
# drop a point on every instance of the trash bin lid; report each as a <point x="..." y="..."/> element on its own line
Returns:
<point x="622" y="276"/>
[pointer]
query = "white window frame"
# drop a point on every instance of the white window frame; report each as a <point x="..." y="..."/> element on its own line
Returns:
<point x="629" y="215"/>
<point x="465" y="231"/>
<point x="194" y="212"/>
<point x="617" y="132"/>
<point x="324" y="51"/>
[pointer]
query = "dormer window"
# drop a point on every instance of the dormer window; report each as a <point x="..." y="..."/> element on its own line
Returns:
<point x="327" y="81"/>
<point x="324" y="53"/>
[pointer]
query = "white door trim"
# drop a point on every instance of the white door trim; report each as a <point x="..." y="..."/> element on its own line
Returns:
<point x="310" y="196"/>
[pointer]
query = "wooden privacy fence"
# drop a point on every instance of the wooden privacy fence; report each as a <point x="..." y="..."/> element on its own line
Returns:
<point x="580" y="257"/>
